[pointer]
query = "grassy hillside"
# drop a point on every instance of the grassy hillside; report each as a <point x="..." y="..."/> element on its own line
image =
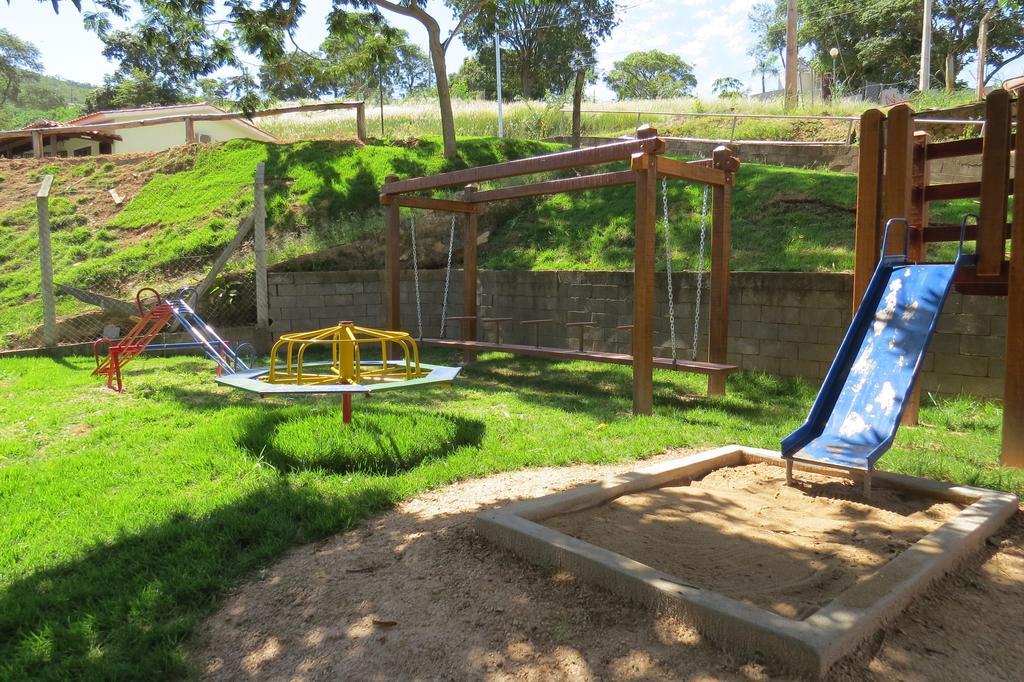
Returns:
<point x="42" y="96"/>
<point x="185" y="205"/>
<point x="318" y="193"/>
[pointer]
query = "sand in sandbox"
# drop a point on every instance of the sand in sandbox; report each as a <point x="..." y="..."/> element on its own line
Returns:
<point x="741" y="532"/>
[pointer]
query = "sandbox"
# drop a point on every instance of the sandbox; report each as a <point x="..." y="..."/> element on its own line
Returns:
<point x="800" y="574"/>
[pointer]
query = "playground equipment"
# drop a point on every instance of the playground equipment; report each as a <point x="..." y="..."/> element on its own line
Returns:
<point x="152" y="322"/>
<point x="855" y="417"/>
<point x="871" y="386"/>
<point x="347" y="372"/>
<point x="647" y="165"/>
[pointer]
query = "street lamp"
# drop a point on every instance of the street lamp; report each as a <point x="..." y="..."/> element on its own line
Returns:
<point x="834" y="52"/>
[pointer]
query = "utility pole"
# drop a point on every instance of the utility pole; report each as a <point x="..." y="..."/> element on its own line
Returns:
<point x="791" y="53"/>
<point x="983" y="50"/>
<point x="497" y="70"/>
<point x="924" y="79"/>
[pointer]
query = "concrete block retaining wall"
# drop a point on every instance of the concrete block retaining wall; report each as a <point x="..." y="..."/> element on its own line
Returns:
<point x="788" y="324"/>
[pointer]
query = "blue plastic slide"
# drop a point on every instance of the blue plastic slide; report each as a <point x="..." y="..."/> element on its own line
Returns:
<point x="854" y="419"/>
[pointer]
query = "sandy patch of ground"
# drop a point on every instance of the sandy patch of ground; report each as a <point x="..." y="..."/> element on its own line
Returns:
<point x="742" y="532"/>
<point x="416" y="594"/>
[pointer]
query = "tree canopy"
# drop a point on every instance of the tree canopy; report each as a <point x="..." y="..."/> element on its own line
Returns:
<point x="16" y="58"/>
<point x="880" y="40"/>
<point x="541" y="40"/>
<point x="651" y="75"/>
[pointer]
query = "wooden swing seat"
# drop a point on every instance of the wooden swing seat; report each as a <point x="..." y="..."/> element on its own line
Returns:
<point x="693" y="366"/>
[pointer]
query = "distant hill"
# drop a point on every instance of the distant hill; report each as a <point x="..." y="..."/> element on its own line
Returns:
<point x="42" y="96"/>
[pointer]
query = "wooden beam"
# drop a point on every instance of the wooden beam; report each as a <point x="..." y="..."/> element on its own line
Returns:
<point x="37" y="144"/>
<point x="690" y="172"/>
<point x="1013" y="386"/>
<point x="243" y="229"/>
<point x="869" y="202"/>
<point x="469" y="273"/>
<point x="431" y="204"/>
<point x="916" y="249"/>
<point x="718" y="308"/>
<point x="643" y="281"/>
<point x="190" y="130"/>
<point x="899" y="163"/>
<point x="576" y="184"/>
<point x="46" y="263"/>
<point x="360" y="121"/>
<point x="393" y="265"/>
<point x="948" y="232"/>
<point x="954" y="148"/>
<point x="591" y="156"/>
<point x="995" y="173"/>
<point x="953" y="190"/>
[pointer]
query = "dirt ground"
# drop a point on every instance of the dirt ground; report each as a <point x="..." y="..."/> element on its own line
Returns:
<point x="742" y="532"/>
<point x="416" y="594"/>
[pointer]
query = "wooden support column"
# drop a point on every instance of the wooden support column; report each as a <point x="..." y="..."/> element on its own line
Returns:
<point x="190" y="131"/>
<point x="361" y="123"/>
<point x="37" y="144"/>
<point x="392" y="264"/>
<point x="899" y="169"/>
<point x="469" y="272"/>
<point x="46" y="263"/>
<point x="259" y="210"/>
<point x="645" y="165"/>
<point x="869" y="202"/>
<point x="1013" y="391"/>
<point x="718" y="308"/>
<point x="916" y="250"/>
<point x="995" y="169"/>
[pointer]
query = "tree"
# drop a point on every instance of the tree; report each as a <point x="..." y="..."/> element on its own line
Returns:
<point x="541" y="39"/>
<point x="727" y="86"/>
<point x="955" y="39"/>
<point x="651" y="75"/>
<point x="767" y="21"/>
<point x="16" y="57"/>
<point x="132" y="89"/>
<point x="880" y="40"/>
<point x="766" y="63"/>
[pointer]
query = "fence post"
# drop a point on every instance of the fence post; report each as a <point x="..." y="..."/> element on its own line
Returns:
<point x="361" y="121"/>
<point x="46" y="263"/>
<point x="260" y="229"/>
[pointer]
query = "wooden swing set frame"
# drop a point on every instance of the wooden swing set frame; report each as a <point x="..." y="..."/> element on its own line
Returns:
<point x="893" y="182"/>
<point x="647" y="166"/>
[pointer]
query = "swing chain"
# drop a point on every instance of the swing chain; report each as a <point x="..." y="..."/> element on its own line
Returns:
<point x="700" y="271"/>
<point x="416" y="275"/>
<point x="447" y="279"/>
<point x="668" y="268"/>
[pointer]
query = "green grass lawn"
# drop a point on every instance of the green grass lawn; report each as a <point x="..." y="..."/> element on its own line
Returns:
<point x="124" y="518"/>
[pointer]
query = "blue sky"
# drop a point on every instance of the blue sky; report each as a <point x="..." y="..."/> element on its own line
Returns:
<point x="712" y="35"/>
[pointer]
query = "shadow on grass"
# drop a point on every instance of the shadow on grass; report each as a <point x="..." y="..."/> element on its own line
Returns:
<point x="380" y="439"/>
<point x="124" y="610"/>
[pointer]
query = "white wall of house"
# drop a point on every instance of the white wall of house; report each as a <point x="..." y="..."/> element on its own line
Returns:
<point x="158" y="137"/>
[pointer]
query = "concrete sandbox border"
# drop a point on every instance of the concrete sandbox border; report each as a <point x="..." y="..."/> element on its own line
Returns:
<point x="808" y="646"/>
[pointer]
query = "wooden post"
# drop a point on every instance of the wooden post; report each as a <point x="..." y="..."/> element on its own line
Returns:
<point x="392" y="262"/>
<point x="260" y="234"/>
<point x="899" y="169"/>
<point x="869" y="202"/>
<point x="190" y="131"/>
<point x="469" y="272"/>
<point x="646" y="167"/>
<point x="361" y="122"/>
<point x="918" y="218"/>
<point x="46" y="263"/>
<point x="718" y="308"/>
<point x="1013" y="391"/>
<point x="37" y="144"/>
<point x="995" y="168"/>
